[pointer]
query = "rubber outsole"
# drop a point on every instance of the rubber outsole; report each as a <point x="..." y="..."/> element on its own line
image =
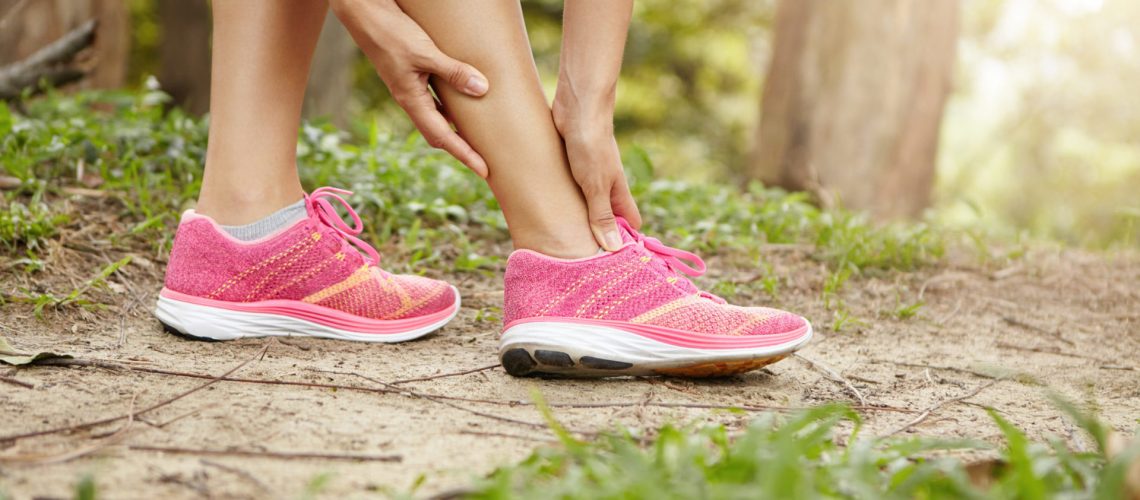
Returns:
<point x="178" y="333"/>
<point x="518" y="362"/>
<point x="556" y="350"/>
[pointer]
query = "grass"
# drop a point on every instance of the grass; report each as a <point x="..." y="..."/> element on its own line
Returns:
<point x="818" y="453"/>
<point x="28" y="225"/>
<point x="431" y="209"/>
<point x="426" y="211"/>
<point x="422" y="209"/>
<point x="47" y="300"/>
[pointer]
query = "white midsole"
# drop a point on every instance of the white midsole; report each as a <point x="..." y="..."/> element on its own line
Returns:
<point x="225" y="324"/>
<point x="579" y="339"/>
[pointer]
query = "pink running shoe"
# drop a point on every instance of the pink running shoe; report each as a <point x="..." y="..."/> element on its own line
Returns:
<point x="631" y="312"/>
<point x="306" y="280"/>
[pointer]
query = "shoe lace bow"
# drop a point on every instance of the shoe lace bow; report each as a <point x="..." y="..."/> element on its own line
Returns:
<point x="675" y="258"/>
<point x="320" y="202"/>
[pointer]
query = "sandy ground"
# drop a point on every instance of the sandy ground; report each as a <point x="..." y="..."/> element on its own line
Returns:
<point x="1000" y="334"/>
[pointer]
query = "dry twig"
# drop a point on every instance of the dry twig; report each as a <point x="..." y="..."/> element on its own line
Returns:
<point x="42" y="458"/>
<point x="285" y="455"/>
<point x="1029" y="326"/>
<point x="20" y="383"/>
<point x="94" y="423"/>
<point x="936" y="367"/>
<point x="445" y="375"/>
<point x="438" y="400"/>
<point x="1055" y="352"/>
<point x="506" y="435"/>
<point x="236" y="471"/>
<point x="833" y="376"/>
<point x="496" y="402"/>
<point x="926" y="413"/>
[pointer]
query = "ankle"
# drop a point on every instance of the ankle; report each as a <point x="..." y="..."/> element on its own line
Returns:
<point x="230" y="207"/>
<point x="561" y="244"/>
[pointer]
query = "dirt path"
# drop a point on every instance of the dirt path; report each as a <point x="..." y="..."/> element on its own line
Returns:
<point x="1001" y="334"/>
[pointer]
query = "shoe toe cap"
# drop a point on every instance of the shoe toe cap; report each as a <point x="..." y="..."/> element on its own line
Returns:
<point x="767" y="321"/>
<point x="426" y="295"/>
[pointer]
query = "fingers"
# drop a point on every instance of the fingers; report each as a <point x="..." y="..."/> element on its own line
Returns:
<point x="464" y="77"/>
<point x="431" y="119"/>
<point x="623" y="203"/>
<point x="438" y="133"/>
<point x="602" y="221"/>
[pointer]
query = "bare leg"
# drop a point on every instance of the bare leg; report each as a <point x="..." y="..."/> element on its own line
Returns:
<point x="261" y="57"/>
<point x="510" y="126"/>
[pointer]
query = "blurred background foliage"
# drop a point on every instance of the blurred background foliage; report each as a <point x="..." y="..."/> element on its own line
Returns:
<point x="1042" y="133"/>
<point x="1038" y="137"/>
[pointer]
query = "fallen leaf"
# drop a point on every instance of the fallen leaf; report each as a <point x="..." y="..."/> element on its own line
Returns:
<point x="1117" y="444"/>
<point x="11" y="356"/>
<point x="983" y="473"/>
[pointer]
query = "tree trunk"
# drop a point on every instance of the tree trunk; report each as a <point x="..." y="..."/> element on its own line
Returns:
<point x="27" y="26"/>
<point x="54" y="63"/>
<point x="184" y="54"/>
<point x="330" y="79"/>
<point x="853" y="101"/>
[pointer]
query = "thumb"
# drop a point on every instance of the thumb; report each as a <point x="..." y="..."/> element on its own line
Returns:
<point x="460" y="75"/>
<point x="602" y="221"/>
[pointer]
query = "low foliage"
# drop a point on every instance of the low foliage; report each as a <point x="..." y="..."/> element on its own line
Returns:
<point x="802" y="456"/>
<point x="150" y="160"/>
<point x="48" y="300"/>
<point x="28" y="225"/>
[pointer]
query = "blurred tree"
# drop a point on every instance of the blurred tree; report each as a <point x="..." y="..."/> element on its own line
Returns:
<point x="689" y="82"/>
<point x="332" y="75"/>
<point x="26" y="26"/>
<point x="184" y="53"/>
<point x="853" y="101"/>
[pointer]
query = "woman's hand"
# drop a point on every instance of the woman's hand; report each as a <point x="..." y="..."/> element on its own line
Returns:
<point x="593" y="38"/>
<point x="405" y="57"/>
<point x="595" y="161"/>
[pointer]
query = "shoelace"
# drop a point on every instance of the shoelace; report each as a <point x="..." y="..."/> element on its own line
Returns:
<point x="673" y="257"/>
<point x="318" y="202"/>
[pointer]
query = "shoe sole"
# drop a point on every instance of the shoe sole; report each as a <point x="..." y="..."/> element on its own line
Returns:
<point x="584" y="349"/>
<point x="203" y="319"/>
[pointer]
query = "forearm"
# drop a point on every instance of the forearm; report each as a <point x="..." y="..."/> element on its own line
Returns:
<point x="594" y="34"/>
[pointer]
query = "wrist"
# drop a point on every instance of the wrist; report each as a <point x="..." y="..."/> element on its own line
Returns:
<point x="579" y="128"/>
<point x="580" y="114"/>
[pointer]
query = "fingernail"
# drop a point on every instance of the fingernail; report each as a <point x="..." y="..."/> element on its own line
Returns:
<point x="613" y="241"/>
<point x="477" y="85"/>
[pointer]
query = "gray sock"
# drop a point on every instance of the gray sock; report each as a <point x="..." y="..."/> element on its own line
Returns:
<point x="274" y="221"/>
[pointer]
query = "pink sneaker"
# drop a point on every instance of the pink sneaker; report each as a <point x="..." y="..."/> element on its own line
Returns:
<point x="630" y="312"/>
<point x="306" y="280"/>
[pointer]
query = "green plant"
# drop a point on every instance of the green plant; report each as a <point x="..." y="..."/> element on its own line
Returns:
<point x="489" y="315"/>
<point x="43" y="300"/>
<point x="28" y="225"/>
<point x="86" y="489"/>
<point x="831" y="286"/>
<point x="769" y="281"/>
<point x="418" y="203"/>
<point x="316" y="485"/>
<point x="906" y="311"/>
<point x="841" y="317"/>
<point x="817" y="453"/>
